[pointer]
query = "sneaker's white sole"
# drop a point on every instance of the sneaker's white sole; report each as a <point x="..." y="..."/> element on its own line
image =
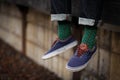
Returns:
<point x="60" y="50"/>
<point x="76" y="69"/>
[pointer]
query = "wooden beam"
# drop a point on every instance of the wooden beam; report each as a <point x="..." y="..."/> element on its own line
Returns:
<point x="24" y="12"/>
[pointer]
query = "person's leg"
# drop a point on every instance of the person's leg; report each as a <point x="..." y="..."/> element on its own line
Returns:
<point x="60" y="12"/>
<point x="89" y="17"/>
<point x="90" y="13"/>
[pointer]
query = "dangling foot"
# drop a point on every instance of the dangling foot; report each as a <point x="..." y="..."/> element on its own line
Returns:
<point x="60" y="46"/>
<point x="81" y="58"/>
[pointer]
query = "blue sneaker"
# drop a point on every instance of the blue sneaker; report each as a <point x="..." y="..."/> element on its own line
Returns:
<point x="60" y="46"/>
<point x="81" y="58"/>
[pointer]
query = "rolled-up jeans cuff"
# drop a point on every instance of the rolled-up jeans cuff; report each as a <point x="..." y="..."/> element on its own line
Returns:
<point x="60" y="17"/>
<point x="86" y="21"/>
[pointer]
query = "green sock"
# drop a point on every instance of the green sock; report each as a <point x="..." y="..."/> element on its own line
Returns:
<point x="64" y="29"/>
<point x="89" y="36"/>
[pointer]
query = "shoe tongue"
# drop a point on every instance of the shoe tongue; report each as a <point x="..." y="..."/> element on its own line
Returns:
<point x="82" y="48"/>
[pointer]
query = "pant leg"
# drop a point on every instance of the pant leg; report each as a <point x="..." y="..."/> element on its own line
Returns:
<point x="60" y="10"/>
<point x="90" y="12"/>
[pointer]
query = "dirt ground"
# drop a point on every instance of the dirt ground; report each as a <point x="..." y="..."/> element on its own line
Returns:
<point x="15" y="66"/>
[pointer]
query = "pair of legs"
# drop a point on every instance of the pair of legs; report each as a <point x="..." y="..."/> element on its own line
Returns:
<point x="88" y="17"/>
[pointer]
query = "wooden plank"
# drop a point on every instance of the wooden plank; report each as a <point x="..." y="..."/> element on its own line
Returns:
<point x="35" y="53"/>
<point x="115" y="42"/>
<point x="38" y="55"/>
<point x="11" y="24"/>
<point x="11" y="10"/>
<point x="11" y="39"/>
<point x="111" y="27"/>
<point x="115" y="67"/>
<point x="93" y="64"/>
<point x="30" y="50"/>
<point x="67" y="55"/>
<point x="67" y="75"/>
<point x="104" y="38"/>
<point x="36" y="34"/>
<point x="104" y="66"/>
<point x="60" y="67"/>
<point x="37" y="18"/>
<point x="55" y="64"/>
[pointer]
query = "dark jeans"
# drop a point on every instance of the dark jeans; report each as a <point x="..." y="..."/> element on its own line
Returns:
<point x="89" y="10"/>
